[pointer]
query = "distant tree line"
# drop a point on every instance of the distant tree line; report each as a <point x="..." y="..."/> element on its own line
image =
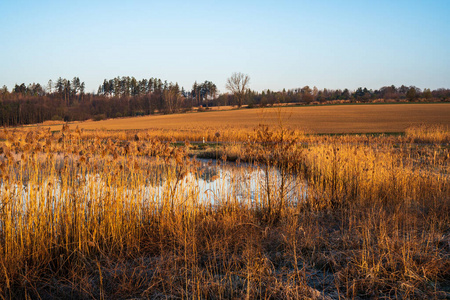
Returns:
<point x="67" y="100"/>
<point x="307" y="95"/>
<point x="125" y="96"/>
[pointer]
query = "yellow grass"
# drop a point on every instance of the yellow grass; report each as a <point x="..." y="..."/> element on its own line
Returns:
<point x="314" y="119"/>
<point x="81" y="217"/>
<point x="429" y="133"/>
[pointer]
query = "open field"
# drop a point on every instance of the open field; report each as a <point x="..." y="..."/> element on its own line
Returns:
<point x="313" y="119"/>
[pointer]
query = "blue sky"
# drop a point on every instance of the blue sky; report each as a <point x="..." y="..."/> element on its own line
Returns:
<point x="279" y="44"/>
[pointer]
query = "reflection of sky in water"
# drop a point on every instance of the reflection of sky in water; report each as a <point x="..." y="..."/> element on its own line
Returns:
<point x="241" y="182"/>
<point x="210" y="183"/>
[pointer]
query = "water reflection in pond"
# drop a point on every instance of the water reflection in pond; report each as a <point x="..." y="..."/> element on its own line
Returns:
<point x="208" y="182"/>
<point x="218" y="182"/>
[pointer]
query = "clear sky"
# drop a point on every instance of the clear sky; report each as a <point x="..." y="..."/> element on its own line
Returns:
<point x="279" y="44"/>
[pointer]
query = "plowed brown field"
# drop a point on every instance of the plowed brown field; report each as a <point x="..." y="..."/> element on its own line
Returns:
<point x="314" y="119"/>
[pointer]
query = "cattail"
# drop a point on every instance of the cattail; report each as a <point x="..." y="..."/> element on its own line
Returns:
<point x="29" y="137"/>
<point x="179" y="158"/>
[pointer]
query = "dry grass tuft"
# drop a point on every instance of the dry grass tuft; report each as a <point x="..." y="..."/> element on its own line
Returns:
<point x="429" y="134"/>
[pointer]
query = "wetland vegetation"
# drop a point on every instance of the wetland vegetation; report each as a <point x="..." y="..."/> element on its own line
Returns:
<point x="127" y="214"/>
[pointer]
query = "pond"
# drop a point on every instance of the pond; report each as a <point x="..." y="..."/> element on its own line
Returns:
<point x="209" y="182"/>
<point x="217" y="182"/>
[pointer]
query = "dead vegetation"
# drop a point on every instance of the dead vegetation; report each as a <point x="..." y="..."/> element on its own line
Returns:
<point x="81" y="217"/>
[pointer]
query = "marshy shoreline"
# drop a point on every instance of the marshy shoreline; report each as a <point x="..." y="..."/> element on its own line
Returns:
<point x="374" y="221"/>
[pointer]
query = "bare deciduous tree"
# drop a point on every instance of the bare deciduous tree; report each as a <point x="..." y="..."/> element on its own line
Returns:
<point x="238" y="84"/>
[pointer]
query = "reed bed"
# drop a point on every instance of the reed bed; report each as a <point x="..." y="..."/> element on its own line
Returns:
<point x="119" y="215"/>
<point x="429" y="134"/>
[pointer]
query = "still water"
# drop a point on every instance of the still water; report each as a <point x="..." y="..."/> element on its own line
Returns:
<point x="217" y="183"/>
<point x="211" y="182"/>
